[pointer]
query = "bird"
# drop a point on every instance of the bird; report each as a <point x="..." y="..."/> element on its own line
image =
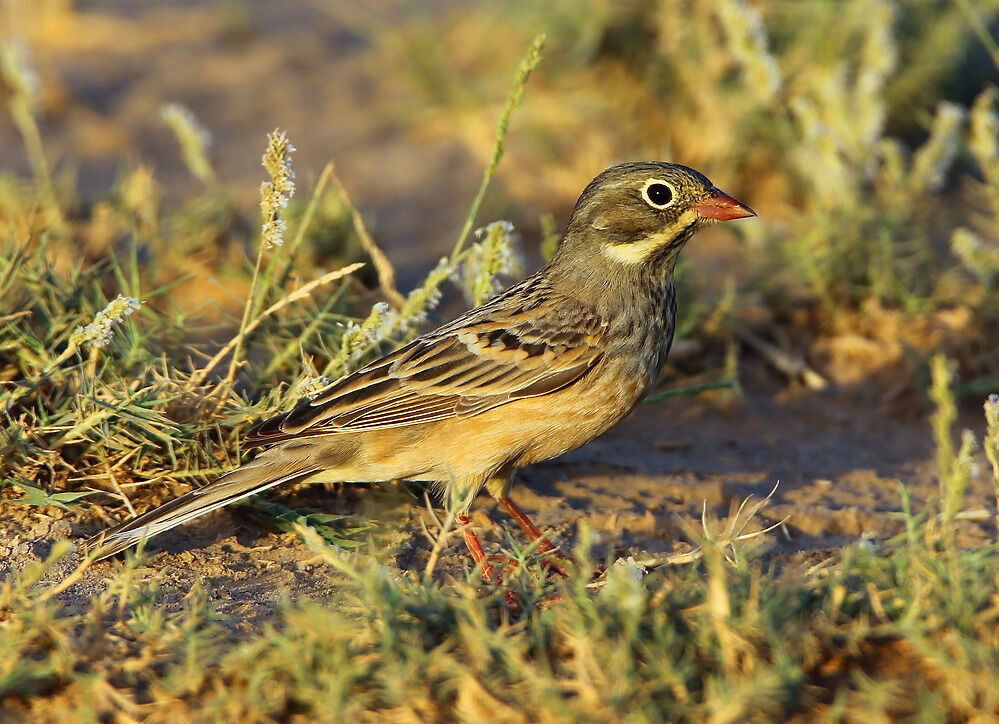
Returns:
<point x="541" y="369"/>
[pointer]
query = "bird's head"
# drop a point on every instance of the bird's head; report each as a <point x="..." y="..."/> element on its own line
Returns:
<point x="639" y="215"/>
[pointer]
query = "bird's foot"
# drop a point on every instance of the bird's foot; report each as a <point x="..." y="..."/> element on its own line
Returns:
<point x="489" y="572"/>
<point x="494" y="566"/>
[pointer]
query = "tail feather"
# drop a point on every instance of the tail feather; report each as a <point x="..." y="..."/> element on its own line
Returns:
<point x="236" y="485"/>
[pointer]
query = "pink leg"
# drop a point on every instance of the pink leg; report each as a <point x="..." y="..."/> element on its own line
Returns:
<point x="533" y="533"/>
<point x="475" y="548"/>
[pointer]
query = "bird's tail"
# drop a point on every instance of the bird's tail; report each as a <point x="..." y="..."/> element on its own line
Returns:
<point x="260" y="474"/>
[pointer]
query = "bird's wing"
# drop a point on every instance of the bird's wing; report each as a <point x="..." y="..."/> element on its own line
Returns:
<point x="525" y="343"/>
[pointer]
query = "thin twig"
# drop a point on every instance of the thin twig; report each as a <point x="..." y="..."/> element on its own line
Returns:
<point x="784" y="362"/>
<point x="529" y="63"/>
<point x="444" y="529"/>
<point x="310" y="211"/>
<point x="303" y="291"/>
<point x="383" y="267"/>
<point x="237" y="341"/>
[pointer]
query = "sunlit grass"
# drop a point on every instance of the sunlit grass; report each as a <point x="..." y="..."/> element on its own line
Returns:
<point x="904" y="629"/>
<point x="122" y="374"/>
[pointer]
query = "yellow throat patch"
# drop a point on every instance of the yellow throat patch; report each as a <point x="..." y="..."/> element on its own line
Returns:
<point x="638" y="251"/>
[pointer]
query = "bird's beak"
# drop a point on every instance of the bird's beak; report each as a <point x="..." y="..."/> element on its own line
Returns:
<point x="719" y="206"/>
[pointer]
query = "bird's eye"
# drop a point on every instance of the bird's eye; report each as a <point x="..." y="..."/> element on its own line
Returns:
<point x="657" y="194"/>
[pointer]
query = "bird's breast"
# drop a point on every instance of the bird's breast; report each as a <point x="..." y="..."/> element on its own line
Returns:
<point x="643" y="334"/>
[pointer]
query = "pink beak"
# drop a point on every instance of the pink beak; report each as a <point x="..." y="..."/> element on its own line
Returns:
<point x="722" y="207"/>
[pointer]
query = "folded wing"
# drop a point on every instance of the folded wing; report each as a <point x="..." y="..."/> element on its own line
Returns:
<point x="524" y="343"/>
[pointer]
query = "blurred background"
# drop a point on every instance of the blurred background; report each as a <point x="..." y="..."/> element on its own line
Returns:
<point x="864" y="132"/>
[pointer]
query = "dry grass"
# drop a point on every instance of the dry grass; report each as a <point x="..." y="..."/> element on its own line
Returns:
<point x="878" y="176"/>
<point x="895" y="632"/>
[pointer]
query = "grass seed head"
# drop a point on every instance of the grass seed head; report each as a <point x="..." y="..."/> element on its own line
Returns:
<point x="747" y="41"/>
<point x="18" y="73"/>
<point x="276" y="193"/>
<point x="100" y="332"/>
<point x="933" y="159"/>
<point x="983" y="137"/>
<point x="194" y="139"/>
<point x="979" y="258"/>
<point x="493" y="257"/>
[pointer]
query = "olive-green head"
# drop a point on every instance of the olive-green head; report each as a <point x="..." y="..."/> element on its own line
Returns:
<point x="641" y="214"/>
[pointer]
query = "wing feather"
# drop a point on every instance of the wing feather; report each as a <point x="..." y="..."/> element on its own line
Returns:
<point x="525" y="343"/>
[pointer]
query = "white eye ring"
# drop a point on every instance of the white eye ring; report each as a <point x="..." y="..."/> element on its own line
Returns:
<point x="648" y="199"/>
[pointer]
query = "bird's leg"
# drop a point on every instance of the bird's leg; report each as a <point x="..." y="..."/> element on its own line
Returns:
<point x="532" y="532"/>
<point x="475" y="548"/>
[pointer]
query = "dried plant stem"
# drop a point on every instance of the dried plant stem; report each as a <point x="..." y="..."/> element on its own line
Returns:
<point x="456" y="502"/>
<point x="444" y="529"/>
<point x="529" y="63"/>
<point x="293" y="346"/>
<point x="310" y="211"/>
<point x="736" y="533"/>
<point x="980" y="29"/>
<point x="383" y="267"/>
<point x="28" y="129"/>
<point x="788" y="364"/>
<point x="296" y="242"/>
<point x="237" y="341"/>
<point x="248" y="327"/>
<point x="24" y="119"/>
<point x="121" y="493"/>
<point x="68" y="581"/>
